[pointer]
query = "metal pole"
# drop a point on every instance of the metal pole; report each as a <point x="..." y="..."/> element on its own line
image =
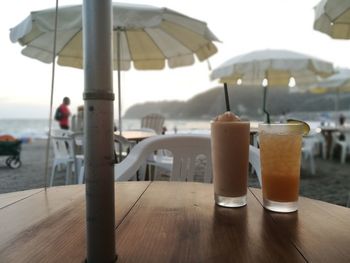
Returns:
<point x="120" y="128"/>
<point x="48" y="143"/>
<point x="98" y="128"/>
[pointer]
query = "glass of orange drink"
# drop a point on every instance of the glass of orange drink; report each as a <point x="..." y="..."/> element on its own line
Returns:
<point x="280" y="154"/>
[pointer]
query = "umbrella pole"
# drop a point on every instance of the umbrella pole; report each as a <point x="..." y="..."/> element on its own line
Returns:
<point x="119" y="86"/>
<point x="48" y="143"/>
<point x="98" y="128"/>
<point x="264" y="104"/>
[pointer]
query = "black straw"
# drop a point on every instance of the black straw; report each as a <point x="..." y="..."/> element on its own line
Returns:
<point x="267" y="114"/>
<point x="226" y="98"/>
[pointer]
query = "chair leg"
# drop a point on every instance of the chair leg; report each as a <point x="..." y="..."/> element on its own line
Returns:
<point x="79" y="163"/>
<point x="155" y="173"/>
<point x="312" y="164"/>
<point x="343" y="154"/>
<point x="69" y="172"/>
<point x="324" y="151"/>
<point x="142" y="172"/>
<point x="332" y="152"/>
<point x="53" y="172"/>
<point x="81" y="175"/>
<point x="150" y="174"/>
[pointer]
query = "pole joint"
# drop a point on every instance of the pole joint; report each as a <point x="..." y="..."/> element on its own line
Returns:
<point x="98" y="95"/>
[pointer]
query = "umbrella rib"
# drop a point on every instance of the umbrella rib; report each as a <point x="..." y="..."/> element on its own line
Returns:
<point x="158" y="47"/>
<point x="339" y="15"/>
<point x="151" y="39"/>
<point x="57" y="51"/>
<point x="67" y="42"/>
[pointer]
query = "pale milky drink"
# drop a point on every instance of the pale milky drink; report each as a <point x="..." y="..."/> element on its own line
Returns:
<point x="230" y="157"/>
<point x="280" y="150"/>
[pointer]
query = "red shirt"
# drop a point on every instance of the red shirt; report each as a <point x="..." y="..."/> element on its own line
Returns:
<point x="64" y="121"/>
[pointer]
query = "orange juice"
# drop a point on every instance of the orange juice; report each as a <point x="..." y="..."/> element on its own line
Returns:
<point x="280" y="154"/>
<point x="280" y="161"/>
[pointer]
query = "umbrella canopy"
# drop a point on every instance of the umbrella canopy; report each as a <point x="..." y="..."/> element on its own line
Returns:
<point x="148" y="36"/>
<point x="332" y="17"/>
<point x="337" y="83"/>
<point x="276" y="68"/>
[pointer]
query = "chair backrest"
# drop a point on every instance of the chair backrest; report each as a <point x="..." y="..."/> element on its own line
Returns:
<point x="310" y="142"/>
<point x="63" y="144"/>
<point x="346" y="133"/>
<point x="121" y="147"/>
<point x="153" y="121"/>
<point x="342" y="132"/>
<point x="185" y="149"/>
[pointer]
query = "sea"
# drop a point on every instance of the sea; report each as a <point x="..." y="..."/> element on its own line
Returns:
<point x="29" y="129"/>
<point x="38" y="128"/>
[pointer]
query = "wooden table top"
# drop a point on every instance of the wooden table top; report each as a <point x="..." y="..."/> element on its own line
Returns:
<point x="136" y="135"/>
<point x="328" y="129"/>
<point x="171" y="222"/>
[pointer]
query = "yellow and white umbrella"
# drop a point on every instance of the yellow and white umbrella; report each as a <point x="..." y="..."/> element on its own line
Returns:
<point x="332" y="17"/>
<point x="335" y="84"/>
<point x="146" y="36"/>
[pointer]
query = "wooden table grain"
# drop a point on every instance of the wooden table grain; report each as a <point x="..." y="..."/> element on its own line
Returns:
<point x="137" y="135"/>
<point x="171" y="222"/>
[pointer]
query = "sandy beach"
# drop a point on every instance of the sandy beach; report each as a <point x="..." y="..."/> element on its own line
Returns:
<point x="330" y="184"/>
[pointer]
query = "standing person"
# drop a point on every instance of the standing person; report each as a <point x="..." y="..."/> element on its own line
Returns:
<point x="342" y="124"/>
<point x="62" y="114"/>
<point x="342" y="119"/>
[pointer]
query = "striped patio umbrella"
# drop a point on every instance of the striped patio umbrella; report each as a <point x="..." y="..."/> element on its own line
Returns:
<point x="332" y="17"/>
<point x="335" y="84"/>
<point x="146" y="36"/>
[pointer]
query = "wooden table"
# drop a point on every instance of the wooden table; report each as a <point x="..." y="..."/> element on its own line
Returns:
<point x="136" y="135"/>
<point x="171" y="222"/>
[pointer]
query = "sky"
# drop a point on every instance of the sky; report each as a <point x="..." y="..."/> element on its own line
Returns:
<point x="241" y="25"/>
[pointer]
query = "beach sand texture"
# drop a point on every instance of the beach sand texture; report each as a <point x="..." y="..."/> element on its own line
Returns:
<point x="330" y="184"/>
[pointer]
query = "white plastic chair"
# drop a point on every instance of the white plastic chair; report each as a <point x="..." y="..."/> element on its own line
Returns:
<point x="121" y="149"/>
<point x="308" y="152"/>
<point x="153" y="121"/>
<point x="78" y="152"/>
<point x="335" y="138"/>
<point x="162" y="160"/>
<point x="185" y="149"/>
<point x="64" y="153"/>
<point x="321" y="145"/>
<point x="344" y="144"/>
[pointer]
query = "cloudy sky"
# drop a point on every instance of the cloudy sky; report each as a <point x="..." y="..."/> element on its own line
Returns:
<point x="241" y="25"/>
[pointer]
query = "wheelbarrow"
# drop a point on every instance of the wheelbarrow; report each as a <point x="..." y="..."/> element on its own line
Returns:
<point x="12" y="149"/>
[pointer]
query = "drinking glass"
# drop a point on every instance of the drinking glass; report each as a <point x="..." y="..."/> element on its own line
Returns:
<point x="230" y="157"/>
<point x="280" y="154"/>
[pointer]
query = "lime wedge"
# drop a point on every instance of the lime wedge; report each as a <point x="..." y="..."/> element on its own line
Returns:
<point x="305" y="126"/>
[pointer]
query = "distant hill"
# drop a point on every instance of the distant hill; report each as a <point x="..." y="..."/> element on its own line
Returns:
<point x="245" y="101"/>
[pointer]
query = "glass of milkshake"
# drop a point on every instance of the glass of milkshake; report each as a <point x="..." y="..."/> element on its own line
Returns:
<point x="230" y="159"/>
